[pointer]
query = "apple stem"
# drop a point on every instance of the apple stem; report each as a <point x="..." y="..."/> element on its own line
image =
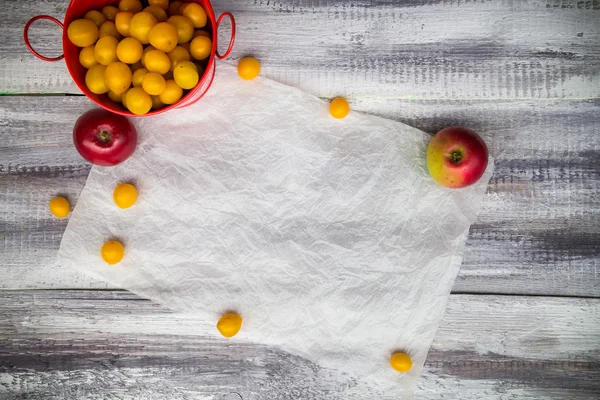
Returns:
<point x="104" y="136"/>
<point x="456" y="156"/>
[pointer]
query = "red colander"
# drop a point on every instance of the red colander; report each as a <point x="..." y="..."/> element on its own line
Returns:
<point x="78" y="8"/>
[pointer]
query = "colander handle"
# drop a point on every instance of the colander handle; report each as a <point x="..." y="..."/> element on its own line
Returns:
<point x="226" y="14"/>
<point x="26" y="37"/>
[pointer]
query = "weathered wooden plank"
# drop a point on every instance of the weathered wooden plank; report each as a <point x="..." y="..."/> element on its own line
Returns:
<point x="538" y="233"/>
<point x="90" y="344"/>
<point x="379" y="48"/>
<point x="37" y="162"/>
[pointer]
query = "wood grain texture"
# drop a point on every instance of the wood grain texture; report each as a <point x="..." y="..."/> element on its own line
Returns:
<point x="423" y="49"/>
<point x="112" y="344"/>
<point x="524" y="73"/>
<point x="37" y="162"/>
<point x="538" y="233"/>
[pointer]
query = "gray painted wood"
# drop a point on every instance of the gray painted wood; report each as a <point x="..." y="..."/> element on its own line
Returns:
<point x="111" y="344"/>
<point x="376" y="48"/>
<point x="538" y="233"/>
<point x="525" y="74"/>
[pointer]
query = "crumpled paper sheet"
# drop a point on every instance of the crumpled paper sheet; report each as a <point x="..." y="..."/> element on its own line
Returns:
<point x="328" y="236"/>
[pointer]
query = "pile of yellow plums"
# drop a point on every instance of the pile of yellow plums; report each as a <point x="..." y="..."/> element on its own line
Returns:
<point x="144" y="58"/>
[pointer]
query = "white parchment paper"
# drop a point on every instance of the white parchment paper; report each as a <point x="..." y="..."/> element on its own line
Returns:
<point x="327" y="236"/>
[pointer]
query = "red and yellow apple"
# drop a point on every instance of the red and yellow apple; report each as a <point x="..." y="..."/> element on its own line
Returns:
<point x="456" y="157"/>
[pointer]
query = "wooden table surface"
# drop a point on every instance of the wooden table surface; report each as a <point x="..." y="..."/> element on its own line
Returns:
<point x="523" y="321"/>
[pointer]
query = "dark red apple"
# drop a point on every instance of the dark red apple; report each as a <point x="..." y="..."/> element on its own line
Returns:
<point x="457" y="157"/>
<point x="104" y="138"/>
